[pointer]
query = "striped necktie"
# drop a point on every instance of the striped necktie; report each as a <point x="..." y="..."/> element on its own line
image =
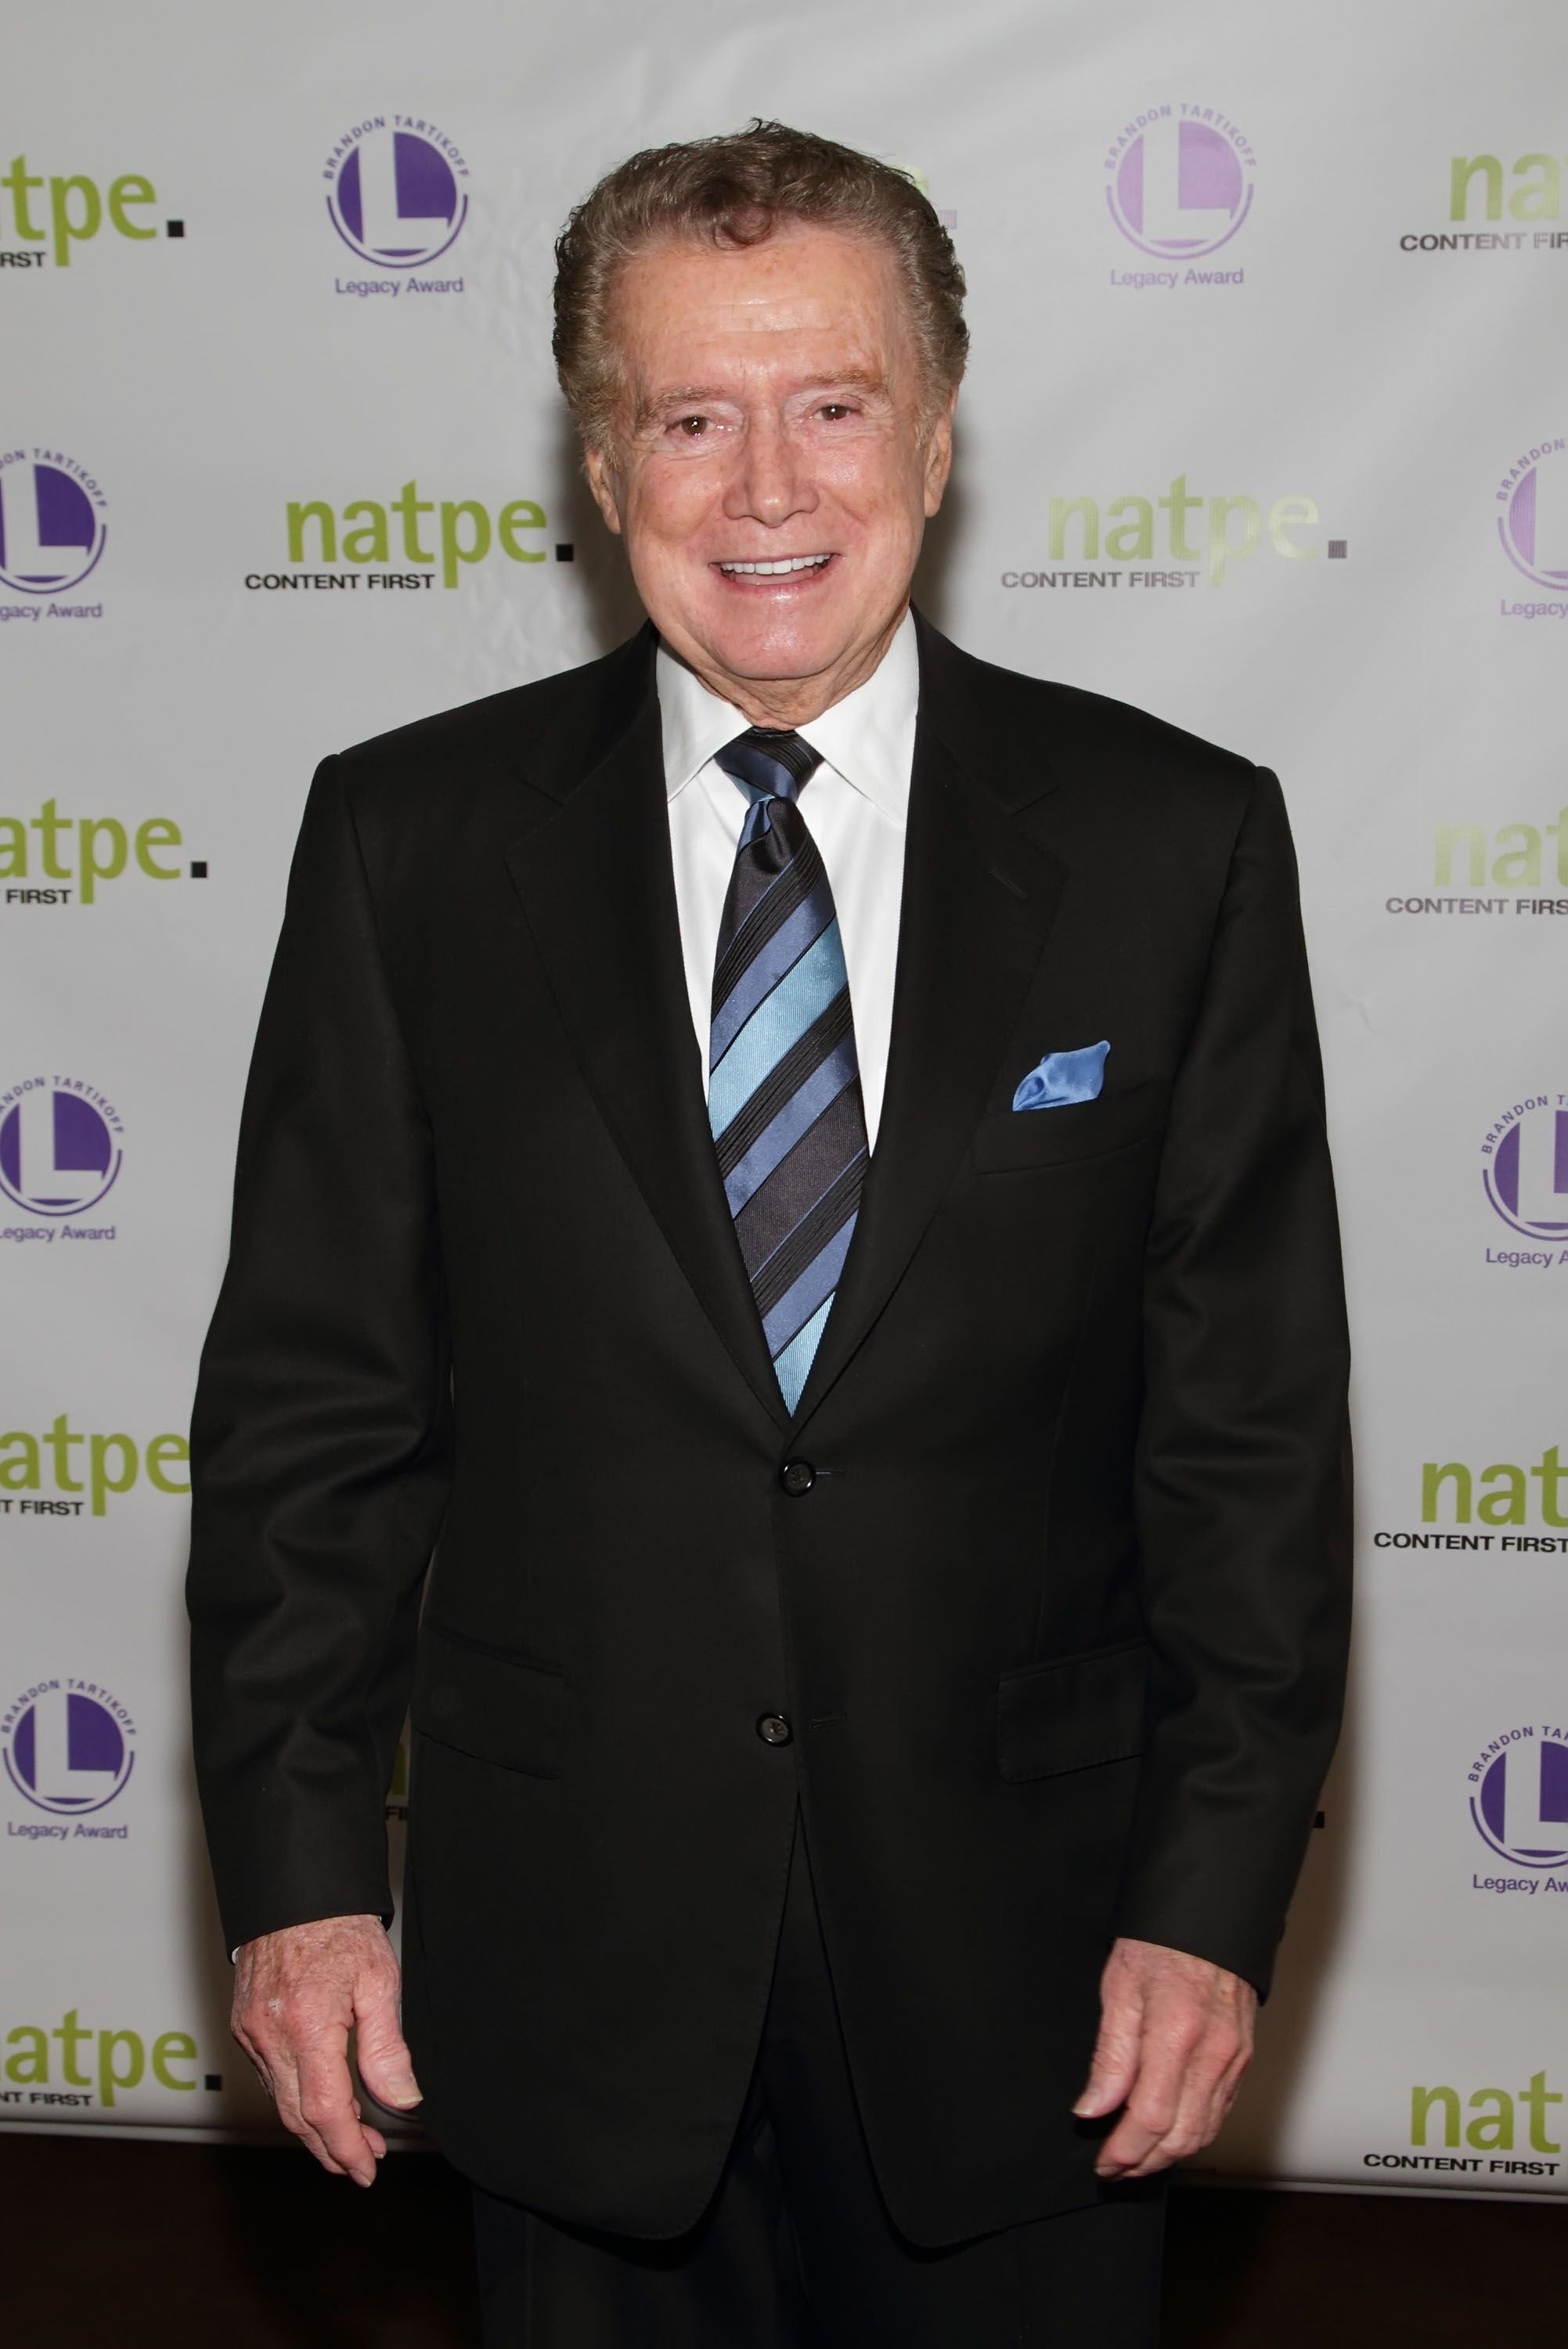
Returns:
<point x="784" y="1083"/>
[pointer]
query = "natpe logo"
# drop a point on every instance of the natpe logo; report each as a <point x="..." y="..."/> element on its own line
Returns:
<point x="68" y="1745"/>
<point x="52" y="527"/>
<point x="1524" y="1166"/>
<point x="59" y="1145"/>
<point x="393" y="190"/>
<point x="1519" y="1801"/>
<point x="1532" y="525"/>
<point x="1179" y="181"/>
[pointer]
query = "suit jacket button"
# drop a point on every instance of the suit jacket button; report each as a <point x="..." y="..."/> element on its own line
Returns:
<point x="797" y="1476"/>
<point x="774" y="1730"/>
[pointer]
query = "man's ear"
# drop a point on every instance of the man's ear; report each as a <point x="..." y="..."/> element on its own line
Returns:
<point x="939" y="456"/>
<point x="603" y="482"/>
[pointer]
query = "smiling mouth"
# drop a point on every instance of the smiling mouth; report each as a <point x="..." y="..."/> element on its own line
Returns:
<point x="787" y="566"/>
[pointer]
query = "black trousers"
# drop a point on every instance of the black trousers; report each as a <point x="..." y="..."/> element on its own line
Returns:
<point x="795" y="2249"/>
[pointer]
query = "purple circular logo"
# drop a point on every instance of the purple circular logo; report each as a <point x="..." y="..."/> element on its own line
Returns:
<point x="1533" y="523"/>
<point x="1180" y="180"/>
<point x="59" y="1145"/>
<point x="394" y="192"/>
<point x="1524" y="1166"/>
<point x="1519" y="1802"/>
<point x="68" y="1745"/>
<point x="52" y="528"/>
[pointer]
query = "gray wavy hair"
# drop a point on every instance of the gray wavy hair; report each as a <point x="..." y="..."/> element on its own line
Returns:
<point x="735" y="190"/>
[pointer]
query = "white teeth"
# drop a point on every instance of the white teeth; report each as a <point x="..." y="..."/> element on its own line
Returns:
<point x="772" y="570"/>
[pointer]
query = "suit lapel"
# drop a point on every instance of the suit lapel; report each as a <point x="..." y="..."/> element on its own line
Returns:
<point x="597" y="888"/>
<point x="978" y="903"/>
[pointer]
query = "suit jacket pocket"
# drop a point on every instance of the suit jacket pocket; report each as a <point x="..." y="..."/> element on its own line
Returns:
<point x="1049" y="1137"/>
<point x="1072" y="1712"/>
<point x="489" y="1702"/>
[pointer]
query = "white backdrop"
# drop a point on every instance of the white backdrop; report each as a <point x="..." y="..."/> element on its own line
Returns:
<point x="1264" y="431"/>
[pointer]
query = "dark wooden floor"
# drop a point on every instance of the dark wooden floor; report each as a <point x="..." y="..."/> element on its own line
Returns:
<point x="196" y="2247"/>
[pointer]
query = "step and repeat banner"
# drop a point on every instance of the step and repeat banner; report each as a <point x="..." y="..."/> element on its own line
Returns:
<point x="1266" y="430"/>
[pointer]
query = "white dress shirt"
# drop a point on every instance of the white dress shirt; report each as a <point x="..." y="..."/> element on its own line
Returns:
<point x="856" y="806"/>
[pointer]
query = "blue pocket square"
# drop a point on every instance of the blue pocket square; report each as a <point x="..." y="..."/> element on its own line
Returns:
<point x="1062" y="1077"/>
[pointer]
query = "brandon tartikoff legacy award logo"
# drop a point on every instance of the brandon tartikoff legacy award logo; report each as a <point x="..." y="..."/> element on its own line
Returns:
<point x="1518" y="1796"/>
<point x="59" y="1145"/>
<point x="1179" y="181"/>
<point x="52" y="527"/>
<point x="68" y="1745"/>
<point x="395" y="192"/>
<point x="1533" y="517"/>
<point x="1524" y="1166"/>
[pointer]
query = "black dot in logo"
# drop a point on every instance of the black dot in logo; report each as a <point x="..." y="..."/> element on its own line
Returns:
<point x="199" y="869"/>
<point x="1338" y="549"/>
<point x="564" y="554"/>
<point x="213" y="2080"/>
<point x="173" y="228"/>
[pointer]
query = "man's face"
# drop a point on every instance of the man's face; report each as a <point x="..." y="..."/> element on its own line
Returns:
<point x="772" y="418"/>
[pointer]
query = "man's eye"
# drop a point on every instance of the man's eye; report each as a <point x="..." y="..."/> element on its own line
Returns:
<point x="694" y="427"/>
<point x="834" y="408"/>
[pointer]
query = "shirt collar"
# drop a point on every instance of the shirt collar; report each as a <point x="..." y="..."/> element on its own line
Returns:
<point x="868" y="738"/>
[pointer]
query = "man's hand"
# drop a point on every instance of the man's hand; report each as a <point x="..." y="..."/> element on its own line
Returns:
<point x="1175" y="2037"/>
<point x="297" y="1995"/>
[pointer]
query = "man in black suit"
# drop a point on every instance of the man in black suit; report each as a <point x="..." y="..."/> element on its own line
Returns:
<point x="797" y="1158"/>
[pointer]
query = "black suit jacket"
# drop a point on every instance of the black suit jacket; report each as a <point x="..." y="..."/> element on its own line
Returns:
<point x="1059" y="1620"/>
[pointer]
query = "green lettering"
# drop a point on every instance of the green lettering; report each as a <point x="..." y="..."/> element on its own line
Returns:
<point x="1062" y="512"/>
<point x="1505" y="1508"/>
<point x="1520" y="869"/>
<point x="110" y="2079"/>
<point x="69" y="231"/>
<point x="453" y="551"/>
<point x="12" y="848"/>
<point x="103" y="1483"/>
<point x="60" y="1439"/>
<point x="171" y="1448"/>
<point x="1140" y="530"/>
<point x="1421" y="2103"/>
<point x="1538" y="2095"/>
<point x="1544" y="200"/>
<point x="18" y="179"/>
<point x="24" y="1472"/>
<point x="519" y="515"/>
<point x="70" y="2034"/>
<point x="173" y="2047"/>
<point x="1222" y="548"/>
<point x="1551" y="1473"/>
<point x="410" y="506"/>
<point x="156" y="833"/>
<point x="30" y="2067"/>
<point x="1493" y="2133"/>
<point x="318" y="511"/>
<point x="92" y="871"/>
<point x="132" y="189"/>
<point x="49" y="826"/>
<point x="1469" y="836"/>
<point x="1465" y="168"/>
<point x="1432" y="1478"/>
<point x="1282" y="514"/>
<point x="370" y="544"/>
<point x="1179" y="505"/>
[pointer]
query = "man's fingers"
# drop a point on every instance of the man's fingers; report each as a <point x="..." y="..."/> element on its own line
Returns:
<point x="1178" y="2111"/>
<point x="1116" y="2053"/>
<point x="1154" y="2099"/>
<point x="326" y="2109"/>
<point x="380" y="2050"/>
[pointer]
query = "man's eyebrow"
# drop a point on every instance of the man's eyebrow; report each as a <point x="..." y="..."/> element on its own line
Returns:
<point x="652" y="405"/>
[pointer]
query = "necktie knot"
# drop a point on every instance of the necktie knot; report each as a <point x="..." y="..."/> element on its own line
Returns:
<point x="766" y="765"/>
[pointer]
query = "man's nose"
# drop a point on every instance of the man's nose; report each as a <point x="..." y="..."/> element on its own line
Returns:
<point x="770" y="480"/>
